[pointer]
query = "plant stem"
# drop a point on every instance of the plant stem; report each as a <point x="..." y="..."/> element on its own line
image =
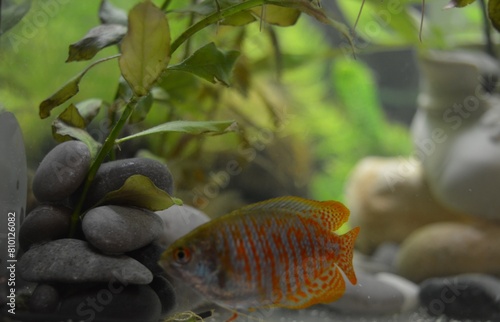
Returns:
<point x="213" y="18"/>
<point x="101" y="155"/>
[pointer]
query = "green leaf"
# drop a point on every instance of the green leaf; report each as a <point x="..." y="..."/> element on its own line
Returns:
<point x="63" y="94"/>
<point x="209" y="6"/>
<point x="88" y="109"/>
<point x="67" y="91"/>
<point x="12" y="11"/>
<point x="96" y="39"/>
<point x="275" y="15"/>
<point x="71" y="125"/>
<point x="209" y="63"/>
<point x="494" y="13"/>
<point x="142" y="109"/>
<point x="459" y="3"/>
<point x="145" y="47"/>
<point x="179" y="86"/>
<point x="140" y="191"/>
<point x="191" y="127"/>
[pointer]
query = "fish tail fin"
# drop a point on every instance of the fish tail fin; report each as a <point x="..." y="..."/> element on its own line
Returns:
<point x="346" y="254"/>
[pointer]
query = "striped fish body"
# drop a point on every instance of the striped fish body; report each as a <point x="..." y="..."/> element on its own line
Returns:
<point x="282" y="252"/>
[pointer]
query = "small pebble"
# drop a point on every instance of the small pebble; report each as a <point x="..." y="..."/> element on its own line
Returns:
<point x="465" y="296"/>
<point x="112" y="175"/>
<point x="61" y="171"/>
<point x="44" y="223"/>
<point x="165" y="292"/>
<point x="44" y="299"/>
<point x="117" y="229"/>
<point x="74" y="261"/>
<point x="112" y="301"/>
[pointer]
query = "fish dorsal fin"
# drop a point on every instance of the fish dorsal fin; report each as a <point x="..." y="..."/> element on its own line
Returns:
<point x="328" y="287"/>
<point x="330" y="214"/>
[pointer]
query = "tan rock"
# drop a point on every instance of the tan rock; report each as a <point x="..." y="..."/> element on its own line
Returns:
<point x="389" y="199"/>
<point x="450" y="248"/>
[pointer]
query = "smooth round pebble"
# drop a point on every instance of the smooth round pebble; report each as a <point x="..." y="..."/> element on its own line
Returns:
<point x="178" y="221"/>
<point x="149" y="256"/>
<point x="74" y="261"/>
<point x="374" y="295"/>
<point x="113" y="301"/>
<point x="45" y="299"/>
<point x="61" y="171"/>
<point x="112" y="175"/>
<point x="165" y="292"/>
<point x="466" y="296"/>
<point x="446" y="249"/>
<point x="117" y="229"/>
<point x="44" y="223"/>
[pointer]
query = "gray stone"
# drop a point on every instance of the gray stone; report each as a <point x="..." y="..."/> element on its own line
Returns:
<point x="113" y="301"/>
<point x="165" y="292"/>
<point x="44" y="223"/>
<point x="112" y="175"/>
<point x="74" y="261"/>
<point x="377" y="294"/>
<point x="466" y="296"/>
<point x="61" y="171"/>
<point x="117" y="229"/>
<point x="178" y="221"/>
<point x="44" y="299"/>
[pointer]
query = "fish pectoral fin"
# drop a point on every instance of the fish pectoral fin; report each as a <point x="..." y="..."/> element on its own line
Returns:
<point x="347" y="241"/>
<point x="328" y="287"/>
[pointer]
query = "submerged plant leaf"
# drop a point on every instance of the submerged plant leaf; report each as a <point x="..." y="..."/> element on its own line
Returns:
<point x="142" y="109"/>
<point x="88" y="109"/>
<point x="145" y="47"/>
<point x="96" y="39"/>
<point x="275" y="15"/>
<point x="109" y="14"/>
<point x="190" y="127"/>
<point x="71" y="125"/>
<point x="458" y="3"/>
<point x="63" y="94"/>
<point x="12" y="12"/>
<point x="494" y="13"/>
<point x="67" y="91"/>
<point x="209" y="63"/>
<point x="139" y="191"/>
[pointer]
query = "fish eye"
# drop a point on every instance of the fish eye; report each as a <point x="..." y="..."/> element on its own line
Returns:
<point x="182" y="255"/>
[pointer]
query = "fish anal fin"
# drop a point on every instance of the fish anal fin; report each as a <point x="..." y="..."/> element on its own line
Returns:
<point x="323" y="291"/>
<point x="329" y="214"/>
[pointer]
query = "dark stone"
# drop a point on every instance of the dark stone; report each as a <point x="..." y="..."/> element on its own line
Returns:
<point x="112" y="175"/>
<point x="61" y="171"/>
<point x="165" y="292"/>
<point x="149" y="256"/>
<point x="44" y="223"/>
<point x="45" y="299"/>
<point x="74" y="261"/>
<point x="111" y="302"/>
<point x="467" y="296"/>
<point x="117" y="229"/>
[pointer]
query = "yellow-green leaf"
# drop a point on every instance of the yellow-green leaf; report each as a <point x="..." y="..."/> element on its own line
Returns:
<point x="279" y="16"/>
<point x="67" y="91"/>
<point x="145" y="47"/>
<point x="494" y="13"/>
<point x="190" y="127"/>
<point x="63" y="94"/>
<point x="210" y="63"/>
<point x="458" y="3"/>
<point x="140" y="191"/>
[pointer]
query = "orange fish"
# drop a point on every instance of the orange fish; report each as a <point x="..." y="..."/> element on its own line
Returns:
<point x="282" y="252"/>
